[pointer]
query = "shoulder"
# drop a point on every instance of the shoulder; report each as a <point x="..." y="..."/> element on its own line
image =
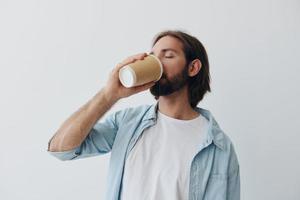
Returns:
<point x="228" y="153"/>
<point x="141" y="109"/>
<point x="131" y="113"/>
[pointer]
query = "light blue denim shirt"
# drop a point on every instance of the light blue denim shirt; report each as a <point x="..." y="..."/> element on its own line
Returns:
<point x="214" y="173"/>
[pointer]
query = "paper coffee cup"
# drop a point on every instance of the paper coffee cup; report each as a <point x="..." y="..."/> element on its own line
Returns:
<point x="141" y="72"/>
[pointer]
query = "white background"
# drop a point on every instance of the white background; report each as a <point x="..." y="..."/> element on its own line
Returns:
<point x="55" y="55"/>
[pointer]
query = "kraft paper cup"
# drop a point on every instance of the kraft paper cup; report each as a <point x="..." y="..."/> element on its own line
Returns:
<point x="140" y="72"/>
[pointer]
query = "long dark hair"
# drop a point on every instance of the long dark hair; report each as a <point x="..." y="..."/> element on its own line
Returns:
<point x="193" y="49"/>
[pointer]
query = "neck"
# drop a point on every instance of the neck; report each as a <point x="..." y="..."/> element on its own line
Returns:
<point x="176" y="105"/>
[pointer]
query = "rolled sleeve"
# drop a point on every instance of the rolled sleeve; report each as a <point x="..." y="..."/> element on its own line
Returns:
<point x="99" y="140"/>
<point x="65" y="155"/>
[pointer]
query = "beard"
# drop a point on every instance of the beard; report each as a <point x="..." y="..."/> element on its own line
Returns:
<point x="166" y="86"/>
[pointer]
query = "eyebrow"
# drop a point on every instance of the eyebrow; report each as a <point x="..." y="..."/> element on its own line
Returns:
<point x="164" y="50"/>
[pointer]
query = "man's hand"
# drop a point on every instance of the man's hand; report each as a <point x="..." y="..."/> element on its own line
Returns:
<point x="114" y="90"/>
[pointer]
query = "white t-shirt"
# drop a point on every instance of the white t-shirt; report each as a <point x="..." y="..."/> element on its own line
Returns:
<point x="158" y="167"/>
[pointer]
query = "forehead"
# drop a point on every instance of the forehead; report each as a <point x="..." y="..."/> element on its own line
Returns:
<point x="168" y="42"/>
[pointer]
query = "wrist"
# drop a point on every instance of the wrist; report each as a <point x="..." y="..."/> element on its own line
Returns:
<point x="109" y="96"/>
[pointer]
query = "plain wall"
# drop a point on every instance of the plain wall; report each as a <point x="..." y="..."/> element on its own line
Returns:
<point x="55" y="55"/>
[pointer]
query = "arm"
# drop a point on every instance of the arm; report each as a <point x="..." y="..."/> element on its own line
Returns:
<point x="76" y="128"/>
<point x="80" y="126"/>
<point x="233" y="185"/>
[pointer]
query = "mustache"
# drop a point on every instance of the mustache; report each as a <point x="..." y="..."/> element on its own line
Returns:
<point x="163" y="75"/>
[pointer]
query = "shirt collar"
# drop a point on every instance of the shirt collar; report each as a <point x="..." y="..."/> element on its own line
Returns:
<point x="215" y="134"/>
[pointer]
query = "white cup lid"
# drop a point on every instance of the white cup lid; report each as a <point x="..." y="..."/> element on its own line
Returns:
<point x="127" y="76"/>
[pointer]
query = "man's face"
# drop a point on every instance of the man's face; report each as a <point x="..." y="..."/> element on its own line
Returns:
<point x="169" y="51"/>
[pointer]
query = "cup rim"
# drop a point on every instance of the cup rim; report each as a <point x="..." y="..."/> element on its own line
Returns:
<point x="127" y="67"/>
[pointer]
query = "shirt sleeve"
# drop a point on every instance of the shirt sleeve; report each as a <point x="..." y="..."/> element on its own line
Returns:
<point x="99" y="140"/>
<point x="233" y="185"/>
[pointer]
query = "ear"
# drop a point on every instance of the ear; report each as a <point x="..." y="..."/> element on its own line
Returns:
<point x="194" y="67"/>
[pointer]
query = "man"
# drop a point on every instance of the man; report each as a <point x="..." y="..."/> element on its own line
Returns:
<point x="171" y="150"/>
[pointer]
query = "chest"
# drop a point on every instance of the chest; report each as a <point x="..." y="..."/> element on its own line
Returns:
<point x="166" y="145"/>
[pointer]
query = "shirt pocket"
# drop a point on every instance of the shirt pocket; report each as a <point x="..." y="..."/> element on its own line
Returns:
<point x="216" y="188"/>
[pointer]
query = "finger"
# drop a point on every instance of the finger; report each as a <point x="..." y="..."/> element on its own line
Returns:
<point x="131" y="59"/>
<point x="139" y="56"/>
